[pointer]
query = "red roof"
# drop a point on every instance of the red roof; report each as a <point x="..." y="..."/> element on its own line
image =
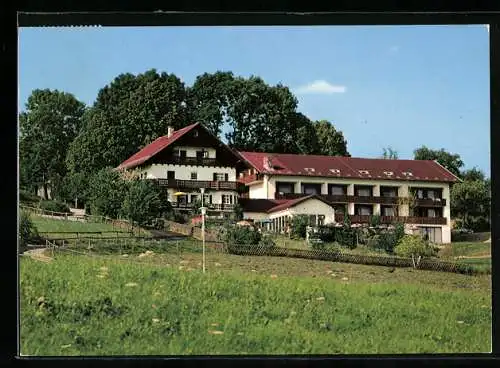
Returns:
<point x="154" y="147"/>
<point x="294" y="202"/>
<point x="349" y="167"/>
<point x="274" y="205"/>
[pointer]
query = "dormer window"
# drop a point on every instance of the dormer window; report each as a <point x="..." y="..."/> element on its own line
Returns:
<point x="335" y="171"/>
<point x="365" y="172"/>
<point x="309" y="169"/>
<point x="388" y="173"/>
<point x="407" y="173"/>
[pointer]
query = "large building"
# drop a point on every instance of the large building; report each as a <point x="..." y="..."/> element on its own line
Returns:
<point x="279" y="186"/>
<point x="185" y="161"/>
<point x="415" y="192"/>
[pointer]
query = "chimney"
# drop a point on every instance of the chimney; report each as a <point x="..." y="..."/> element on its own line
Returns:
<point x="170" y="131"/>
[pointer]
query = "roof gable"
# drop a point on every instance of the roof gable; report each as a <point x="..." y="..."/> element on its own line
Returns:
<point x="295" y="202"/>
<point x="163" y="142"/>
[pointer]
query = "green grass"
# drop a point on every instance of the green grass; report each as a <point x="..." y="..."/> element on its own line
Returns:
<point x="171" y="311"/>
<point x="470" y="249"/>
<point x="54" y="226"/>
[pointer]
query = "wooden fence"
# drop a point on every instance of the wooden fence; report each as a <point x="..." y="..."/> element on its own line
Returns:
<point x="339" y="256"/>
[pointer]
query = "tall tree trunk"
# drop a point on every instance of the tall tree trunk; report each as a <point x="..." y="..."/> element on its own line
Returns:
<point x="45" y="191"/>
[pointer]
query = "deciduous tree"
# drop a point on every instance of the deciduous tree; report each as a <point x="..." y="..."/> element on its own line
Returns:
<point x="50" y="122"/>
<point x="450" y="161"/>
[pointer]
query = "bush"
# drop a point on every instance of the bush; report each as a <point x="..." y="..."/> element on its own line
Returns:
<point x="142" y="202"/>
<point x="374" y="220"/>
<point x="241" y="235"/>
<point x="54" y="206"/>
<point x="25" y="196"/>
<point x="414" y="247"/>
<point x="327" y="233"/>
<point x="298" y="226"/>
<point x="267" y="242"/>
<point x="176" y="217"/>
<point x="27" y="231"/>
<point x="107" y="191"/>
<point x="390" y="239"/>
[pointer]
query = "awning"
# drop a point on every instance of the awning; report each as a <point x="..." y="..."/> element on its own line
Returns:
<point x="179" y="193"/>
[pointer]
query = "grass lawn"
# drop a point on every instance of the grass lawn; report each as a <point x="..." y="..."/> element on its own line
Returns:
<point x="468" y="249"/>
<point x="53" y="226"/>
<point x="164" y="305"/>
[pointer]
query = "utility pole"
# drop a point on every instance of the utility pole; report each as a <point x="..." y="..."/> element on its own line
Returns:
<point x="203" y="211"/>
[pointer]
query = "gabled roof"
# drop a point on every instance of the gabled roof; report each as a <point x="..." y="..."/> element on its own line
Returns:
<point x="348" y="167"/>
<point x="259" y="205"/>
<point x="294" y="202"/>
<point x="155" y="147"/>
<point x="163" y="142"/>
<point x="274" y="205"/>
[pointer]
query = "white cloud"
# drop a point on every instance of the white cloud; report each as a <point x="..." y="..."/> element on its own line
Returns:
<point x="320" y="87"/>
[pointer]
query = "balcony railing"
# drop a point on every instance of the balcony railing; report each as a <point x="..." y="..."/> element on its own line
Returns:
<point x="342" y="198"/>
<point x="428" y="202"/>
<point x="197" y="184"/>
<point x="195" y="161"/>
<point x="364" y="219"/>
<point x="210" y="206"/>
<point x="250" y="178"/>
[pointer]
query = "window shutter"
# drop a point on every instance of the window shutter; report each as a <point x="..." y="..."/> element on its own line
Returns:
<point x="230" y="199"/>
<point x="223" y="198"/>
<point x="226" y="177"/>
<point x="210" y="199"/>
<point x="215" y="176"/>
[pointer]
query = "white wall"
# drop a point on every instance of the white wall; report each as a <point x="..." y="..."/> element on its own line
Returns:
<point x="257" y="191"/>
<point x="183" y="172"/>
<point x="312" y="207"/>
<point x="216" y="195"/>
<point x="191" y="151"/>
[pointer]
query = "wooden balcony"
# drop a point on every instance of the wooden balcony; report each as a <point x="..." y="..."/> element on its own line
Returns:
<point x="427" y="202"/>
<point x="193" y="161"/>
<point x="364" y="219"/>
<point x="197" y="184"/>
<point x="342" y="198"/>
<point x="250" y="178"/>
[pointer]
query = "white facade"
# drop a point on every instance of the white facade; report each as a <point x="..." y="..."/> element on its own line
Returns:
<point x="266" y="188"/>
<point x="184" y="172"/>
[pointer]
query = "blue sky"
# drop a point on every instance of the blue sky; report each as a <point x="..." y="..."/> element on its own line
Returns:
<point x="398" y="86"/>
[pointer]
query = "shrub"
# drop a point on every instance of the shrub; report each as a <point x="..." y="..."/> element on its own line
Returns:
<point x="374" y="220"/>
<point x="27" y="230"/>
<point x="267" y="242"/>
<point x="54" y="206"/>
<point x="240" y="235"/>
<point x="142" y="202"/>
<point x="25" y="196"/>
<point x="327" y="233"/>
<point x="390" y="239"/>
<point x="298" y="226"/>
<point x="415" y="247"/>
<point x="106" y="193"/>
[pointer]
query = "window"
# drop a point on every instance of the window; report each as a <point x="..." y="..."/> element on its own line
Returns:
<point x="431" y="194"/>
<point x="407" y="173"/>
<point x="226" y="199"/>
<point x="336" y="190"/>
<point x="170" y="174"/>
<point x="388" y="173"/>
<point x="365" y="172"/>
<point x="420" y="194"/>
<point x="335" y="171"/>
<point x="310" y="190"/>
<point x="431" y="212"/>
<point x="195" y="133"/>
<point x="194" y="198"/>
<point x="182" y="154"/>
<point x="388" y="211"/>
<point x="219" y="176"/>
<point x="365" y="211"/>
<point x="309" y="169"/>
<point x="364" y="192"/>
<point x="194" y="176"/>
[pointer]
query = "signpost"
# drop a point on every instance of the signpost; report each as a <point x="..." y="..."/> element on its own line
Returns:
<point x="203" y="212"/>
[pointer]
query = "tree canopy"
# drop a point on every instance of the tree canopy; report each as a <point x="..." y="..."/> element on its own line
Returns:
<point x="389" y="153"/>
<point x="50" y="122"/>
<point x="129" y="113"/>
<point x="450" y="161"/>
